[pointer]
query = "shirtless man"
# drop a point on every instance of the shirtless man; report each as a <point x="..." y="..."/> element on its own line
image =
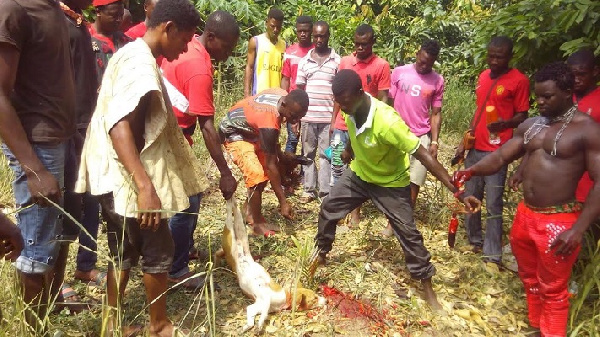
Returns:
<point x="549" y="225"/>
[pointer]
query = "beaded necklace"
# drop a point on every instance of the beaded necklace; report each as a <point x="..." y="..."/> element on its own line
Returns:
<point x="72" y="14"/>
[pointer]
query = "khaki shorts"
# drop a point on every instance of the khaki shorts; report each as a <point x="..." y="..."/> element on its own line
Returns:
<point x="418" y="172"/>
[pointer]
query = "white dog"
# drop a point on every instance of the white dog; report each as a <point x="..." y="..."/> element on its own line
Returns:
<point x="254" y="280"/>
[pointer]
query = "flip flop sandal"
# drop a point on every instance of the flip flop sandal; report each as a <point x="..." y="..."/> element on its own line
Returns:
<point x="69" y="295"/>
<point x="71" y="300"/>
<point x="100" y="281"/>
<point x="305" y="199"/>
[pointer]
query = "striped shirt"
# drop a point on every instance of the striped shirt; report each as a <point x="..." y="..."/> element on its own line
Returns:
<point x="317" y="78"/>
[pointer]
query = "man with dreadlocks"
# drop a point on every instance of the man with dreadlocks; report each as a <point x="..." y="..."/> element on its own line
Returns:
<point x="547" y="231"/>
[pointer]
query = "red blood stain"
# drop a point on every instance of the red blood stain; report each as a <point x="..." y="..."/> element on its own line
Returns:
<point x="350" y="307"/>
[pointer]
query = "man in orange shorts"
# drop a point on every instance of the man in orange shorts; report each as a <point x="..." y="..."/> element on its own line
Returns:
<point x="250" y="133"/>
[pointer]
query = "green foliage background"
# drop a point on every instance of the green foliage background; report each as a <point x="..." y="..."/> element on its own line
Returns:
<point x="543" y="31"/>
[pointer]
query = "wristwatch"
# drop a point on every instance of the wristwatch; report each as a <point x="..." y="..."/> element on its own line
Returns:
<point x="434" y="142"/>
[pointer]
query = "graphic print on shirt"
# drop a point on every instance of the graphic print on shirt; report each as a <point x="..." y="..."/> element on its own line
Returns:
<point x="414" y="90"/>
<point x="269" y="99"/>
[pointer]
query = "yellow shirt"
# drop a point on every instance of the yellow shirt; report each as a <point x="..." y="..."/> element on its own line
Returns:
<point x="166" y="156"/>
<point x="268" y="63"/>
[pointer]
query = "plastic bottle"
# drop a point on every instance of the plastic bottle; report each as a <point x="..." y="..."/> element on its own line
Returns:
<point x="452" y="228"/>
<point x="491" y="117"/>
<point x="573" y="289"/>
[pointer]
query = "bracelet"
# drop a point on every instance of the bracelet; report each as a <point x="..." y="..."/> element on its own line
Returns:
<point x="434" y="143"/>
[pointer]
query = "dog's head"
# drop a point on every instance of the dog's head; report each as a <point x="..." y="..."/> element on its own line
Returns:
<point x="304" y="299"/>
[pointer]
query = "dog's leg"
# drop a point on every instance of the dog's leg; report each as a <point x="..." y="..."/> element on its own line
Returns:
<point x="251" y="312"/>
<point x="263" y="309"/>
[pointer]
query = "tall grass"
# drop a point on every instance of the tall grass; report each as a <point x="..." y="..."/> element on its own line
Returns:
<point x="6" y="177"/>
<point x="56" y="322"/>
<point x="458" y="107"/>
<point x="584" y="317"/>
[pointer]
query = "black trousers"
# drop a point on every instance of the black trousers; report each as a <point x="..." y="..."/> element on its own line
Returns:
<point x="350" y="192"/>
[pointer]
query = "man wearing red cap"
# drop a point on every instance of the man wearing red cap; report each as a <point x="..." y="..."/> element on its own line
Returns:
<point x="106" y="35"/>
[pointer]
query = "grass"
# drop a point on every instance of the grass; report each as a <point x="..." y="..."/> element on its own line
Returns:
<point x="478" y="301"/>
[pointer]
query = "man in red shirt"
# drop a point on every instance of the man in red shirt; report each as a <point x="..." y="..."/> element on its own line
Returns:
<point x="192" y="76"/>
<point x="291" y="58"/>
<point x="506" y="90"/>
<point x="107" y="37"/>
<point x="374" y="72"/>
<point x="586" y="94"/>
<point x="140" y="29"/>
<point x="250" y="133"/>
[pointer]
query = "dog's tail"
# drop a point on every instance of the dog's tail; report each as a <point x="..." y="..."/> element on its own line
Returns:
<point x="235" y="224"/>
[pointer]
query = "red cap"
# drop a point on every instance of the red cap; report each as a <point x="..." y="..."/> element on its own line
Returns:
<point x="98" y="3"/>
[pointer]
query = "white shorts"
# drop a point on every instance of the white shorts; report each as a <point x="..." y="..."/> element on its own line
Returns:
<point x="418" y="172"/>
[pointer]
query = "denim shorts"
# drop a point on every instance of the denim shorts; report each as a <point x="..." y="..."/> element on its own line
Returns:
<point x="40" y="226"/>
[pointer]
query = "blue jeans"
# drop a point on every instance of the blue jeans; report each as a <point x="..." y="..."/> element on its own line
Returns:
<point x="41" y="227"/>
<point x="182" y="226"/>
<point x="493" y="186"/>
<point x="87" y="258"/>
<point x="292" y="140"/>
<point x="82" y="207"/>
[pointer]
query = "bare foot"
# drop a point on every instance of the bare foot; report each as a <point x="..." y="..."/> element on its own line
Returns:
<point x="388" y="231"/>
<point x="319" y="261"/>
<point x="272" y="227"/>
<point x="265" y="226"/>
<point x="261" y="229"/>
<point x="429" y="295"/>
<point x="164" y="330"/>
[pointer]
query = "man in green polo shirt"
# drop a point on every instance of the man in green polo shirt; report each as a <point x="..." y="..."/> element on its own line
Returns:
<point x="381" y="143"/>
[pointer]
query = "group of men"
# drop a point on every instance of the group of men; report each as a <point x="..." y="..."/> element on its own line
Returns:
<point x="108" y="116"/>
<point x="414" y="90"/>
